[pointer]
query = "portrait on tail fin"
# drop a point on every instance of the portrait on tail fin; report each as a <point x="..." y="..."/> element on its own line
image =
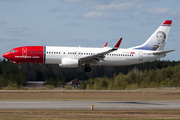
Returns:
<point x="157" y="41"/>
<point x="161" y="37"/>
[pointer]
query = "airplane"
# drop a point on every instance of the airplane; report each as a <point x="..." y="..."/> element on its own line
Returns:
<point x="71" y="57"/>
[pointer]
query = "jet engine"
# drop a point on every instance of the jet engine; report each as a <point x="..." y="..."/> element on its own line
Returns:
<point x="69" y="63"/>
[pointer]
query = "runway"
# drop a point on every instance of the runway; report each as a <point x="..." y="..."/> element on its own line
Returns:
<point x="87" y="105"/>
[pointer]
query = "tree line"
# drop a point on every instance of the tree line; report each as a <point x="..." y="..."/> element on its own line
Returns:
<point x="10" y="74"/>
<point x="165" y="77"/>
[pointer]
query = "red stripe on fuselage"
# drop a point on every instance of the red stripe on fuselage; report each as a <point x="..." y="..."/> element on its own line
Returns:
<point x="28" y="54"/>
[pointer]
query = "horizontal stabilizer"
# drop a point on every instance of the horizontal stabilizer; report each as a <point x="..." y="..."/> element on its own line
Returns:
<point x="162" y="52"/>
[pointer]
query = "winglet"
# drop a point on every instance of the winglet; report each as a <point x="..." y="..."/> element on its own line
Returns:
<point x="105" y="44"/>
<point x="117" y="44"/>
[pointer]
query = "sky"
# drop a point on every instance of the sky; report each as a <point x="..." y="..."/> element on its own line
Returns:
<point x="87" y="23"/>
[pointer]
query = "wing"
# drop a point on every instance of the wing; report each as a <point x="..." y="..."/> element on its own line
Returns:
<point x="97" y="58"/>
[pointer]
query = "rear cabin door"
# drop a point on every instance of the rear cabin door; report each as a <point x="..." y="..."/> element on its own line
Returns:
<point x="140" y="55"/>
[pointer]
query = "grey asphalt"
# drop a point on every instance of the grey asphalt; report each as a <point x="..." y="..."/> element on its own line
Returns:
<point x="87" y="104"/>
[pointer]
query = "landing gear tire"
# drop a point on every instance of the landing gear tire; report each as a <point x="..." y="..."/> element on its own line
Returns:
<point x="87" y="69"/>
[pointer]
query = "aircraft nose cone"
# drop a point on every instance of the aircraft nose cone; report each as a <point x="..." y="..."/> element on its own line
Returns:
<point x="5" y="55"/>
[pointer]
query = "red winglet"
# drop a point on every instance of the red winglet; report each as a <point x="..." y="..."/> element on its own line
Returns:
<point x="105" y="44"/>
<point x="118" y="44"/>
<point x="167" y="22"/>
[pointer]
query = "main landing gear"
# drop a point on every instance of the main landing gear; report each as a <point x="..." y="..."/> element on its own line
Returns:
<point x="87" y="68"/>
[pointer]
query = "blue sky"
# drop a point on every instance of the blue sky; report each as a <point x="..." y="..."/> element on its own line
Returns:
<point x="87" y="23"/>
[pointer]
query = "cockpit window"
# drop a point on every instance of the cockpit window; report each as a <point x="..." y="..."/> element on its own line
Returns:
<point x="12" y="50"/>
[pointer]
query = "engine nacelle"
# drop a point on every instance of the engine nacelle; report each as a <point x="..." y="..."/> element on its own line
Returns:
<point x="69" y="63"/>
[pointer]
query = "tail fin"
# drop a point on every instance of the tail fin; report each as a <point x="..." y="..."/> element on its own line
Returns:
<point x="158" y="39"/>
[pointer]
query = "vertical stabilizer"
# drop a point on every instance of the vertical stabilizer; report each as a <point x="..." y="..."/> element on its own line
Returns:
<point x="158" y="39"/>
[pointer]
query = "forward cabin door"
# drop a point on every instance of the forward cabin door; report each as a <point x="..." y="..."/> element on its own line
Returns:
<point x="24" y="51"/>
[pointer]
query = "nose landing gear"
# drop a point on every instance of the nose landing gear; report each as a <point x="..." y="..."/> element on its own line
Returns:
<point x="19" y="65"/>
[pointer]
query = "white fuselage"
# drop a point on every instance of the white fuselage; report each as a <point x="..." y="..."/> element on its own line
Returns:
<point x="120" y="57"/>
